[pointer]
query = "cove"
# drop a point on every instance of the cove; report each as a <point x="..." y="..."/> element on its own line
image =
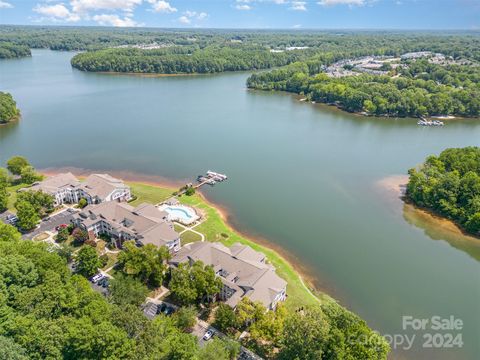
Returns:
<point x="302" y="176"/>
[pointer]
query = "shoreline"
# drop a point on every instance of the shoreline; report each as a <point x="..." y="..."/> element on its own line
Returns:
<point x="302" y="98"/>
<point x="395" y="185"/>
<point x="310" y="281"/>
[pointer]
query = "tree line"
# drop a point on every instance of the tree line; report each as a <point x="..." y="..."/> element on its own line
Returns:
<point x="179" y="60"/>
<point x="449" y="184"/>
<point x="421" y="89"/>
<point x="9" y="50"/>
<point x="8" y="108"/>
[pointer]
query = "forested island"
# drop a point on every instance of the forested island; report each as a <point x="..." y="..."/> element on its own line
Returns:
<point x="449" y="185"/>
<point x="182" y="60"/>
<point x="8" y="108"/>
<point x="9" y="50"/>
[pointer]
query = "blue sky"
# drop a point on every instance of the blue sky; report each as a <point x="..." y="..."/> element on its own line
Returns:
<point x="269" y="14"/>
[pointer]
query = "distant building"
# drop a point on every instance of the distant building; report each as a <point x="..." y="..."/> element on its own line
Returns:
<point x="243" y="271"/>
<point x="145" y="224"/>
<point x="97" y="188"/>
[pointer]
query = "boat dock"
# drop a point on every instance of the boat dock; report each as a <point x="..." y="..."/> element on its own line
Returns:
<point x="211" y="178"/>
<point x="424" y="122"/>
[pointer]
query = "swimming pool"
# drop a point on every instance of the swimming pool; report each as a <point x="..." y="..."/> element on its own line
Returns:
<point x="184" y="214"/>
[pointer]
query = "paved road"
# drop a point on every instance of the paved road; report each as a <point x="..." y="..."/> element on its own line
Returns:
<point x="63" y="217"/>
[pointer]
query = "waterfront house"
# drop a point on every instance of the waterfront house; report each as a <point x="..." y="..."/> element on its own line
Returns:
<point x="99" y="188"/>
<point x="120" y="221"/>
<point x="96" y="188"/>
<point x="61" y="186"/>
<point x="244" y="272"/>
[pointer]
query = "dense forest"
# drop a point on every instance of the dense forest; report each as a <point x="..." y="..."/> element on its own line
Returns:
<point x="9" y="50"/>
<point x="8" y="108"/>
<point x="449" y="184"/>
<point x="342" y="42"/>
<point x="177" y="60"/>
<point x="421" y="88"/>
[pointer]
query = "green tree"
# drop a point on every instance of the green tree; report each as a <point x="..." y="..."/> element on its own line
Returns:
<point x="186" y="318"/>
<point x="42" y="202"/>
<point x="11" y="350"/>
<point x="248" y="312"/>
<point x="29" y="175"/>
<point x="8" y="107"/>
<point x="79" y="236"/>
<point x="8" y="233"/>
<point x="126" y="290"/>
<point x="147" y="263"/>
<point x="190" y="191"/>
<point x="5" y="179"/>
<point x="16" y="164"/>
<point x="82" y="203"/>
<point x="225" y="318"/>
<point x="62" y="235"/>
<point x="27" y="216"/>
<point x="4" y="195"/>
<point x="305" y="335"/>
<point x="87" y="261"/>
<point x="220" y="349"/>
<point x="195" y="283"/>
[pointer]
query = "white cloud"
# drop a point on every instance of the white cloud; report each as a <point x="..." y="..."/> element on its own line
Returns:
<point x="5" y="5"/>
<point x="243" y="7"/>
<point x="83" y="6"/>
<point x="189" y="15"/>
<point x="342" y="2"/>
<point x="296" y="26"/>
<point x="202" y="16"/>
<point x="298" y="6"/>
<point x="184" y="19"/>
<point x="56" y="12"/>
<point x="115" y="20"/>
<point x="161" y="6"/>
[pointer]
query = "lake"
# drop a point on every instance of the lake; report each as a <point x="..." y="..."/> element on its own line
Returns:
<point x="304" y="177"/>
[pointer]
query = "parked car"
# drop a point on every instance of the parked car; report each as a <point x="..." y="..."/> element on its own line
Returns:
<point x="11" y="219"/>
<point x="208" y="335"/>
<point x="71" y="211"/>
<point x="169" y="310"/>
<point x="97" y="278"/>
<point x="161" y="308"/>
<point x="61" y="226"/>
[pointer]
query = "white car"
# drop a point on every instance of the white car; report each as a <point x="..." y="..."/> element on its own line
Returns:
<point x="97" y="278"/>
<point x="208" y="335"/>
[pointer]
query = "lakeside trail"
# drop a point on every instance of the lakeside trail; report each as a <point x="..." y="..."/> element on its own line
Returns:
<point x="310" y="282"/>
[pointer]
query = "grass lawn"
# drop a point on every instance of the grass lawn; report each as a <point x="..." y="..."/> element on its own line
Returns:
<point x="13" y="196"/>
<point x="112" y="259"/>
<point x="178" y="228"/>
<point x="189" y="236"/>
<point x="148" y="193"/>
<point x="215" y="229"/>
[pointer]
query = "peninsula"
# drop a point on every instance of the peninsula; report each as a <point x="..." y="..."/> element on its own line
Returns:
<point x="8" y="108"/>
<point x="156" y="249"/>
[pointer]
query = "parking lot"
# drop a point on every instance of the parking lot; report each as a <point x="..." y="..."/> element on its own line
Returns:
<point x="3" y="216"/>
<point x="63" y="217"/>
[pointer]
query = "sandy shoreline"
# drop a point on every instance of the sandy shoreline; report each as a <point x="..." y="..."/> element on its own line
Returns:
<point x="394" y="188"/>
<point x="307" y="276"/>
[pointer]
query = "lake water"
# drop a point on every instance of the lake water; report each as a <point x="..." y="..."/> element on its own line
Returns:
<point x="302" y="176"/>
